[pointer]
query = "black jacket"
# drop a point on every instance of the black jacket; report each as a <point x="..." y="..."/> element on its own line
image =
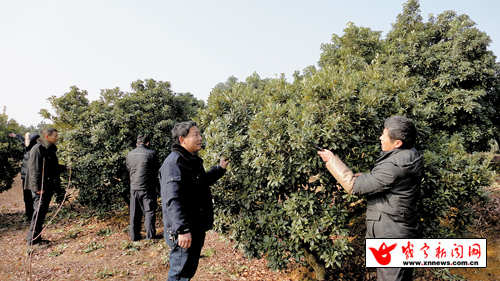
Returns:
<point x="393" y="186"/>
<point x="143" y="165"/>
<point x="185" y="192"/>
<point x="24" y="167"/>
<point x="43" y="160"/>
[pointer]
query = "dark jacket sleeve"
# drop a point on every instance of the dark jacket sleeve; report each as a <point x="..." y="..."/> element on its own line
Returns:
<point x="19" y="138"/>
<point x="214" y="174"/>
<point x="175" y="199"/>
<point x="35" y="165"/>
<point x="380" y="179"/>
<point x="156" y="169"/>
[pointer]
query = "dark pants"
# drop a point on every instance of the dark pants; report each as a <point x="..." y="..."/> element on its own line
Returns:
<point x="41" y="204"/>
<point x="388" y="228"/>
<point x="184" y="262"/>
<point x="142" y="202"/>
<point x="28" y="202"/>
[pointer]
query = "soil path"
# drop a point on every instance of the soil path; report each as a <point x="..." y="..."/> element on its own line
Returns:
<point x="12" y="200"/>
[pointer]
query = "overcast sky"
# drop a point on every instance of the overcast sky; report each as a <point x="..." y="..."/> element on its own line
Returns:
<point x="48" y="46"/>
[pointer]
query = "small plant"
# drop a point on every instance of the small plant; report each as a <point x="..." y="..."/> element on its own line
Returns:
<point x="241" y="268"/>
<point x="149" y="277"/>
<point x="59" y="251"/>
<point x="218" y="269"/>
<point x="445" y="274"/>
<point x="74" y="232"/>
<point x="126" y="229"/>
<point x="105" y="273"/>
<point x="209" y="253"/>
<point x="67" y="214"/>
<point x="165" y="259"/>
<point x="130" y="247"/>
<point x="92" y="247"/>
<point x="84" y="221"/>
<point x="105" y="232"/>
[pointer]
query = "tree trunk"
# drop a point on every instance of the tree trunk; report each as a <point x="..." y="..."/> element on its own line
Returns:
<point x="318" y="267"/>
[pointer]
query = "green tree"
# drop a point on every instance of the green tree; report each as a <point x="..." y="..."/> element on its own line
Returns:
<point x="456" y="75"/>
<point x="11" y="152"/>
<point x="98" y="135"/>
<point x="278" y="200"/>
<point x="358" y="47"/>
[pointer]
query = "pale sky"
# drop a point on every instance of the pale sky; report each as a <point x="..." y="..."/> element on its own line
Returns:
<point x="48" y="46"/>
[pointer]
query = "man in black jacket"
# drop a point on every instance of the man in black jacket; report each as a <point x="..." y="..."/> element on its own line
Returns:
<point x="186" y="200"/>
<point x="43" y="179"/>
<point x="391" y="188"/>
<point x="143" y="165"/>
<point x="29" y="140"/>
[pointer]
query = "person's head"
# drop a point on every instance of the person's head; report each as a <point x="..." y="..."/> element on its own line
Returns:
<point x="143" y="139"/>
<point x="50" y="135"/>
<point x="32" y="140"/>
<point x="399" y="132"/>
<point x="187" y="135"/>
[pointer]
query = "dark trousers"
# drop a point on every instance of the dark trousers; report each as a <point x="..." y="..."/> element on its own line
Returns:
<point x="184" y="262"/>
<point x="142" y="202"/>
<point x="388" y="228"/>
<point x="28" y="202"/>
<point x="41" y="204"/>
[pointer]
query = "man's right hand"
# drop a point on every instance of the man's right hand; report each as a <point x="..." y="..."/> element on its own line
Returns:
<point x="185" y="240"/>
<point x="12" y="135"/>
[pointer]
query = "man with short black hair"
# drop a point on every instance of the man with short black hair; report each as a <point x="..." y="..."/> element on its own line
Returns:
<point x="392" y="187"/>
<point x="186" y="200"/>
<point x="143" y="165"/>
<point x="43" y="179"/>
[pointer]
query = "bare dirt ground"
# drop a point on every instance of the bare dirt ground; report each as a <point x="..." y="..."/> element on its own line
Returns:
<point x="88" y="246"/>
<point x="85" y="246"/>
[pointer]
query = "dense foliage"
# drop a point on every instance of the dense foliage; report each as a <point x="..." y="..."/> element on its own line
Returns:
<point x="11" y="152"/>
<point x="278" y="199"/>
<point x="97" y="135"/>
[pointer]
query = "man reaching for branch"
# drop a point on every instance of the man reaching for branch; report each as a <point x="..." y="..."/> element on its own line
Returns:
<point x="391" y="188"/>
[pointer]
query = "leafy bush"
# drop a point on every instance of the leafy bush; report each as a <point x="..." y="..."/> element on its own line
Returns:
<point x="11" y="152"/>
<point x="279" y="201"/>
<point x="98" y="135"/>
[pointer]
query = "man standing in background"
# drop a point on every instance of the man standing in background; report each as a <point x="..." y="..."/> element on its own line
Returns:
<point x="43" y="179"/>
<point x="143" y="165"/>
<point x="29" y="140"/>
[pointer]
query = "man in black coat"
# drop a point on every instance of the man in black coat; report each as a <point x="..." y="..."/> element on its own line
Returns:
<point x="186" y="200"/>
<point x="143" y="165"/>
<point x="29" y="140"/>
<point x="43" y="179"/>
<point x="391" y="188"/>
